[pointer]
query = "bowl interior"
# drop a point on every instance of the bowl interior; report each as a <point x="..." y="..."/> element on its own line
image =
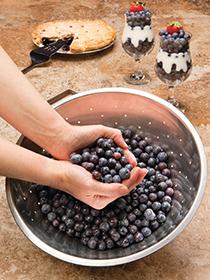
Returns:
<point x="159" y="124"/>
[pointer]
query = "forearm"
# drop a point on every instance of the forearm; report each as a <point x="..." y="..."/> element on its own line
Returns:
<point x="20" y="163"/>
<point x="23" y="107"/>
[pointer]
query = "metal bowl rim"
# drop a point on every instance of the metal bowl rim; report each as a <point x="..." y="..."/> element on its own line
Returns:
<point x="117" y="261"/>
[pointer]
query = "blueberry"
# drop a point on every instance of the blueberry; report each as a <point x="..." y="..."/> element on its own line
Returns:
<point x="100" y="142"/>
<point x="124" y="173"/>
<point x="146" y="231"/>
<point x="51" y="216"/>
<point x="76" y="159"/>
<point x="162" y="186"/>
<point x="64" y="200"/>
<point x="154" y="225"/>
<point x="161" y="218"/>
<point x="138" y="223"/>
<point x="43" y="193"/>
<point x="129" y="208"/>
<point x="132" y="229"/>
<point x="43" y="200"/>
<point x="93" y="159"/>
<point x="135" y="203"/>
<point x="131" y="217"/>
<point x="151" y="162"/>
<point x="104" y="226"/>
<point x="123" y="230"/>
<point x="118" y="166"/>
<point x="105" y="170"/>
<point x="149" y="214"/>
<point x="159" y="178"/>
<point x="94" y="212"/>
<point x="46" y="208"/>
<point x="102" y="162"/>
<point x="88" y="232"/>
<point x="107" y="178"/>
<point x="156" y="206"/>
<point x="142" y="144"/>
<point x="166" y="206"/>
<point x="84" y="240"/>
<point x="152" y="189"/>
<point x="99" y="151"/>
<point x="69" y="223"/>
<point x="153" y="196"/>
<point x="137" y="152"/>
<point x="113" y="172"/>
<point x="123" y="161"/>
<point x="143" y="198"/>
<point x="125" y="243"/>
<point x="115" y="236"/>
<point x="156" y="149"/>
<point x="96" y="175"/>
<point x="101" y="245"/>
<point x="119" y="150"/>
<point x="162" y="165"/>
<point x="89" y="218"/>
<point x="142" y="165"/>
<point x="64" y="218"/>
<point x="142" y="207"/>
<point x="162" y="32"/>
<point x="166" y="172"/>
<point x="117" y="155"/>
<point x="108" y="154"/>
<point x="78" y="217"/>
<point x="70" y="232"/>
<point x="121" y="203"/>
<point x="134" y="144"/>
<point x="112" y="162"/>
<point x="129" y="166"/>
<point x="78" y="227"/>
<point x="88" y="166"/>
<point x="106" y="144"/>
<point x="55" y="223"/>
<point x="92" y="243"/>
<point x="85" y="156"/>
<point x="160" y="194"/>
<point x="169" y="191"/>
<point x="124" y="222"/>
<point x="144" y="157"/>
<point x="169" y="183"/>
<point x="162" y="156"/>
<point x="70" y="213"/>
<point x="137" y="137"/>
<point x="138" y="237"/>
<point x="113" y="222"/>
<point x="137" y="212"/>
<point x="130" y="238"/>
<point x="116" y="179"/>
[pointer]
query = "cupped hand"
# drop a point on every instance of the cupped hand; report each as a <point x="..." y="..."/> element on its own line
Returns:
<point x="78" y="182"/>
<point x="72" y="138"/>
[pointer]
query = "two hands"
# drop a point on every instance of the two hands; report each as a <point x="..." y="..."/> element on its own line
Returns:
<point x="79" y="182"/>
<point x="38" y="121"/>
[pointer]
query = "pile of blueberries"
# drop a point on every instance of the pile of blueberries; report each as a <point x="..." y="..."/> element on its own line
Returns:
<point x="176" y="42"/>
<point x="129" y="219"/>
<point x="105" y="160"/>
<point x="141" y="18"/>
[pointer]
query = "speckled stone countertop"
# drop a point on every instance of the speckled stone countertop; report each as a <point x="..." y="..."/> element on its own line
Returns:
<point x="188" y="256"/>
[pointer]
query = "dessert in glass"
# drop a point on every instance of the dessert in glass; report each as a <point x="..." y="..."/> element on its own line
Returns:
<point x="138" y="39"/>
<point x="173" y="62"/>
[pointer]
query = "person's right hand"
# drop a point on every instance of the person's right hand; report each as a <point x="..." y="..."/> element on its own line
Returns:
<point x="78" y="182"/>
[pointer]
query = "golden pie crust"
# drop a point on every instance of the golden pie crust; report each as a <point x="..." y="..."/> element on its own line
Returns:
<point x="88" y="34"/>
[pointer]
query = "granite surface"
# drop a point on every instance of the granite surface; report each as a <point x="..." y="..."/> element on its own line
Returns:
<point x="188" y="256"/>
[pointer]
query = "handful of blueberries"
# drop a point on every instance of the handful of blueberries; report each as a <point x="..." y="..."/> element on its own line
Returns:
<point x="105" y="160"/>
<point x="129" y="219"/>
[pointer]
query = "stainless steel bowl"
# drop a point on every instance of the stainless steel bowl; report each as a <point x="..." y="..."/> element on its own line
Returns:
<point x="162" y="123"/>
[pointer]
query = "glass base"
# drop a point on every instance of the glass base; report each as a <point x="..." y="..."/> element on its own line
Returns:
<point x="137" y="78"/>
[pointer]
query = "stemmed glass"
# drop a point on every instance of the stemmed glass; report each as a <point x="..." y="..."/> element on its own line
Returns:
<point x="138" y="40"/>
<point x="173" y="62"/>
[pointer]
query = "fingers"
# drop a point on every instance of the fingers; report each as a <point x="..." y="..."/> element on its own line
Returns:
<point x="130" y="157"/>
<point x="102" y="201"/>
<point x="115" y="134"/>
<point x="137" y="175"/>
<point x="109" y="190"/>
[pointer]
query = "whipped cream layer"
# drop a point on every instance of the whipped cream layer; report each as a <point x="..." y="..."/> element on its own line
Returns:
<point x="136" y="34"/>
<point x="179" y="59"/>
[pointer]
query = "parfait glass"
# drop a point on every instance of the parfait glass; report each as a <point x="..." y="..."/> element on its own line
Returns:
<point x="138" y="41"/>
<point x="173" y="62"/>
